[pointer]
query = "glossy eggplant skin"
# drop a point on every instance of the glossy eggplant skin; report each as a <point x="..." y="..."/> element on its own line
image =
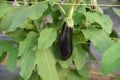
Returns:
<point x="65" y="42"/>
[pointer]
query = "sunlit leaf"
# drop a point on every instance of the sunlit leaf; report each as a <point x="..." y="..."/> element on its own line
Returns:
<point x="47" y="37"/>
<point x="65" y="64"/>
<point x="4" y="8"/>
<point x="111" y="59"/>
<point x="27" y="43"/>
<point x="79" y="57"/>
<point x="27" y="64"/>
<point x="19" y="19"/>
<point x="14" y="19"/>
<point x="103" y="20"/>
<point x="46" y="65"/>
<point x="12" y="60"/>
<point x="37" y="10"/>
<point x="99" y="39"/>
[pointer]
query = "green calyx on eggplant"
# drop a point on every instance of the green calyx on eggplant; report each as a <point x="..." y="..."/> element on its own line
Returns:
<point x="65" y="42"/>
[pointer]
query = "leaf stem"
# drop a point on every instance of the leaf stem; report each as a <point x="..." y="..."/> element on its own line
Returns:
<point x="61" y="9"/>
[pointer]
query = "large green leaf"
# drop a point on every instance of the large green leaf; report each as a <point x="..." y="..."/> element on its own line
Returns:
<point x="27" y="64"/>
<point x="15" y="18"/>
<point x="19" y="19"/>
<point x="27" y="43"/>
<point x="79" y="57"/>
<point x="37" y="10"/>
<point x="111" y="59"/>
<point x="103" y="20"/>
<point x="7" y="19"/>
<point x="12" y="60"/>
<point x="47" y="37"/>
<point x="4" y="8"/>
<point x="46" y="65"/>
<point x="117" y="11"/>
<point x="18" y="16"/>
<point x="99" y="39"/>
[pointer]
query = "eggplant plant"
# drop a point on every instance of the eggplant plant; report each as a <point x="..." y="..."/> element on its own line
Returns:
<point x="49" y="39"/>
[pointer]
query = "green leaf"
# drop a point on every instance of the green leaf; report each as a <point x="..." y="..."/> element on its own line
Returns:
<point x="37" y="10"/>
<point x="79" y="57"/>
<point x="55" y="14"/>
<point x="67" y="74"/>
<point x="12" y="60"/>
<point x="27" y="43"/>
<point x="6" y="46"/>
<point x="46" y="64"/>
<point x="79" y="39"/>
<point x="27" y="64"/>
<point x="18" y="35"/>
<point x="86" y="47"/>
<point x="53" y="1"/>
<point x="4" y="8"/>
<point x="103" y="20"/>
<point x="14" y="19"/>
<point x="7" y="19"/>
<point x="47" y="37"/>
<point x="65" y="64"/>
<point x="73" y="75"/>
<point x="18" y="15"/>
<point x="84" y="71"/>
<point x="78" y="17"/>
<point x="117" y="11"/>
<point x="111" y="59"/>
<point x="99" y="39"/>
<point x="19" y="19"/>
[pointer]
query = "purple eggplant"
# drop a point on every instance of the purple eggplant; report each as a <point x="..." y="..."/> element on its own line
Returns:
<point x="65" y="42"/>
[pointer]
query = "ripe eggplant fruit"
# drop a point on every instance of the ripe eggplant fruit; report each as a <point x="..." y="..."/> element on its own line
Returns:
<point x="65" y="42"/>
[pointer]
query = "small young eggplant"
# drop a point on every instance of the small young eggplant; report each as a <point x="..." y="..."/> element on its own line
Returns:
<point x="65" y="42"/>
